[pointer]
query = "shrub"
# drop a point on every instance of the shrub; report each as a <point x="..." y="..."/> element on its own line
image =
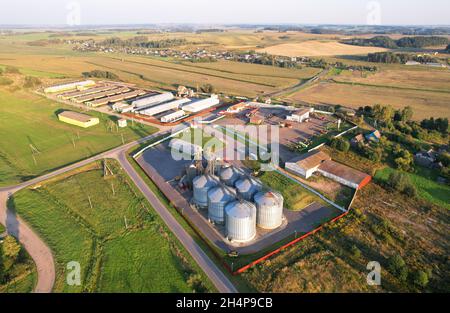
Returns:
<point x="398" y="181"/>
<point x="10" y="247"/>
<point x="31" y="81"/>
<point x="355" y="252"/>
<point x="5" y="81"/>
<point x="340" y="144"/>
<point x="207" y="88"/>
<point x="397" y="267"/>
<point x="12" y="70"/>
<point x="195" y="283"/>
<point x="420" y="279"/>
<point x="410" y="190"/>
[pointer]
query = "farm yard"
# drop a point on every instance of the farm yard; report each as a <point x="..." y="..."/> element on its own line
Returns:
<point x="119" y="241"/>
<point x="106" y="225"/>
<point x="34" y="142"/>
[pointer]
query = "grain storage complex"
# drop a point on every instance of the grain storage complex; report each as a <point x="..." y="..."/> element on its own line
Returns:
<point x="78" y="119"/>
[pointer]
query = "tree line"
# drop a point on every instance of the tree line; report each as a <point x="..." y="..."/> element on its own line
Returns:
<point x="143" y="42"/>
<point x="405" y="42"/>
<point x="401" y="58"/>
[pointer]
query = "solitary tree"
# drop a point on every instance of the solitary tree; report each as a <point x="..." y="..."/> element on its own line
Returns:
<point x="10" y="247"/>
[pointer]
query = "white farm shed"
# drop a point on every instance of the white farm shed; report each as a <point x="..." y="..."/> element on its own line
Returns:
<point x="164" y="107"/>
<point x="307" y="164"/>
<point x="203" y="104"/>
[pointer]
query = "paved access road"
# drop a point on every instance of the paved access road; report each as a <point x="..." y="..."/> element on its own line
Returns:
<point x="42" y="254"/>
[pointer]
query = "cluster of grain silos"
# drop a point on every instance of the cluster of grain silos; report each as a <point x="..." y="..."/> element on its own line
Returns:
<point x="238" y="201"/>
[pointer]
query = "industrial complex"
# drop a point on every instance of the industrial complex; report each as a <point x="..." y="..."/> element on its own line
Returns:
<point x="131" y="101"/>
<point x="223" y="198"/>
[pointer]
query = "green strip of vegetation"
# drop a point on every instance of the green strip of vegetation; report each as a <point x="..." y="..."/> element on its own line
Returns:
<point x="106" y="225"/>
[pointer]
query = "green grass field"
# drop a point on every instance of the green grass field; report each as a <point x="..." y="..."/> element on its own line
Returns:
<point x="295" y="196"/>
<point x="119" y="241"/>
<point x="425" y="182"/>
<point x="27" y="120"/>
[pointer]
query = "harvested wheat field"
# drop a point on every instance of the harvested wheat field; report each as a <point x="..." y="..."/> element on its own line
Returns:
<point x="420" y="78"/>
<point x="424" y="103"/>
<point x="318" y="48"/>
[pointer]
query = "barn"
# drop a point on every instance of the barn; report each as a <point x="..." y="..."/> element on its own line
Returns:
<point x="343" y="174"/>
<point x="78" y="119"/>
<point x="306" y="165"/>
<point x="318" y="161"/>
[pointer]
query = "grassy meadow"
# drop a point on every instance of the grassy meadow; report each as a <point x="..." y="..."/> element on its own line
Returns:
<point x="380" y="226"/>
<point x="108" y="227"/>
<point x="295" y="196"/>
<point x="427" y="186"/>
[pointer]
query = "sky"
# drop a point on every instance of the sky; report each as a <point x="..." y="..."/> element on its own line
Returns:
<point x="103" y="12"/>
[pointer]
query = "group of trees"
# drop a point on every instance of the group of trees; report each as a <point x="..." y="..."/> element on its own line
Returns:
<point x="401" y="58"/>
<point x="207" y="88"/>
<point x="404" y="42"/>
<point x="340" y="144"/>
<point x="440" y="124"/>
<point x="31" y="82"/>
<point x="100" y="74"/>
<point x="403" y="159"/>
<point x="143" y="42"/>
<point x="397" y="267"/>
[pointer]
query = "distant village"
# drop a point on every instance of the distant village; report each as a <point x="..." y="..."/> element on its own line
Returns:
<point x="203" y="55"/>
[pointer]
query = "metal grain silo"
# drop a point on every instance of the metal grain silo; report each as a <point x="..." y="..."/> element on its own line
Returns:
<point x="240" y="220"/>
<point x="218" y="198"/>
<point x="201" y="185"/>
<point x="230" y="175"/>
<point x="269" y="206"/>
<point x="247" y="187"/>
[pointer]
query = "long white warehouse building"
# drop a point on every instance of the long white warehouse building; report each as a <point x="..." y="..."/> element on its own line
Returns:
<point x="201" y="105"/>
<point x="69" y="86"/>
<point x="173" y="116"/>
<point x="152" y="100"/>
<point x="160" y="108"/>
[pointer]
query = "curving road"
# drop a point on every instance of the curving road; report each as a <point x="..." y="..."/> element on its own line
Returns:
<point x="42" y="254"/>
